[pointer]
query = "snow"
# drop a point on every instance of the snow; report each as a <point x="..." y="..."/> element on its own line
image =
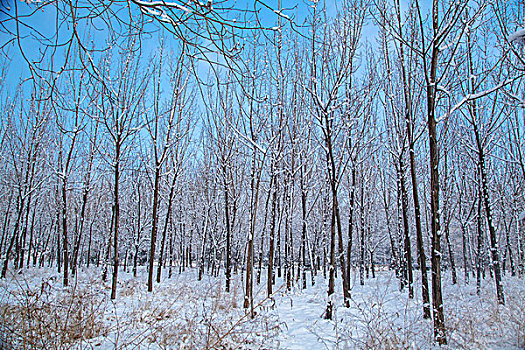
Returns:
<point x="183" y="313"/>
<point x="517" y="37"/>
<point x="281" y="14"/>
<point x="174" y="5"/>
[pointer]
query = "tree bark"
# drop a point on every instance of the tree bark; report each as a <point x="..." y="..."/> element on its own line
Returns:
<point x="407" y="245"/>
<point x="488" y="212"/>
<point x="116" y="218"/>
<point x="437" y="297"/>
<point x="336" y="220"/>
<point x="154" y="221"/>
<point x="227" y="271"/>
<point x="165" y="228"/>
<point x="271" y="250"/>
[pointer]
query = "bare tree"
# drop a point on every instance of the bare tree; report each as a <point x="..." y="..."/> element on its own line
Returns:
<point x="26" y="142"/>
<point x="167" y="131"/>
<point x="120" y="110"/>
<point x="327" y="81"/>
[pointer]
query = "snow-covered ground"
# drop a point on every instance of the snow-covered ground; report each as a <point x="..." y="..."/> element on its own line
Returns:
<point x="183" y="313"/>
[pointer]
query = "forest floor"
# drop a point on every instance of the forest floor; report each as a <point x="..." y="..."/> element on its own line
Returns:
<point x="36" y="312"/>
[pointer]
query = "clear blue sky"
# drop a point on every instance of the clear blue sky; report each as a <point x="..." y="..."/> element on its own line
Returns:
<point x="41" y="28"/>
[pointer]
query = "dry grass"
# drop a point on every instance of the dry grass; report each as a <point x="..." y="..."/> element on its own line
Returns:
<point x="384" y="318"/>
<point x="38" y="313"/>
<point x="183" y="316"/>
<point x="177" y="315"/>
<point x="44" y="317"/>
<point x="479" y="322"/>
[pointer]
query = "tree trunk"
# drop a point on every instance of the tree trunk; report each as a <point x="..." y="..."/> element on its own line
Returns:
<point x="407" y="245"/>
<point x="116" y="219"/>
<point x="173" y="233"/>
<point x="336" y="220"/>
<point x="248" y="297"/>
<point x="6" y="222"/>
<point x="303" y="225"/>
<point x="81" y="225"/>
<point x="263" y="238"/>
<point x="488" y="212"/>
<point x="509" y="250"/>
<point x="85" y="192"/>
<point x="331" y="280"/>
<point x="165" y="228"/>
<point x="451" y="254"/>
<point x="437" y="297"/>
<point x="31" y="235"/>
<point x="479" y="252"/>
<point x="391" y="237"/>
<point x="271" y="252"/>
<point x="64" y="232"/>
<point x="108" y="247"/>
<point x="154" y="221"/>
<point x="228" y="269"/>
<point x="419" y="235"/>
<point x="203" y="247"/>
<point x="14" y="237"/>
<point x="415" y="195"/>
<point x="464" y="244"/>
<point x="362" y="236"/>
<point x="88" y="260"/>
<point x="351" y="211"/>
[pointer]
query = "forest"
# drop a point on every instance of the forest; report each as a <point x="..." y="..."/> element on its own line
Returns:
<point x="262" y="174"/>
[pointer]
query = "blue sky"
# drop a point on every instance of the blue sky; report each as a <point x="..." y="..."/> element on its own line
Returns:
<point x="43" y="23"/>
<point x="37" y="26"/>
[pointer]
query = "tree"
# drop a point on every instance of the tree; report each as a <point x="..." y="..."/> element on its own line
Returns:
<point x="167" y="131"/>
<point x="120" y="110"/>
<point x="338" y="47"/>
<point x="26" y="143"/>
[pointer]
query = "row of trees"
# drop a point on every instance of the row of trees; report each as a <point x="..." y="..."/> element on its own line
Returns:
<point x="304" y="150"/>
